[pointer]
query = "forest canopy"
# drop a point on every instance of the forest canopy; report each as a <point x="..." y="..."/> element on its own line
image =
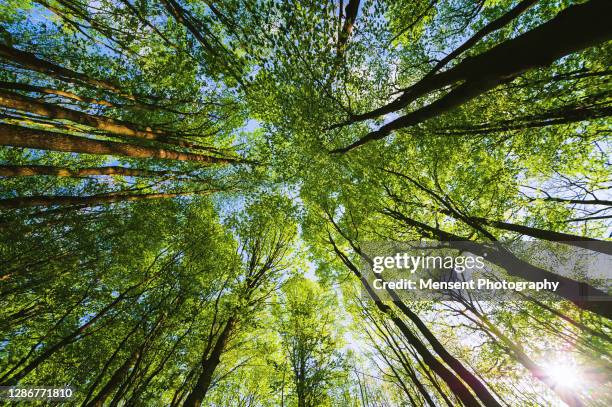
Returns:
<point x="189" y="190"/>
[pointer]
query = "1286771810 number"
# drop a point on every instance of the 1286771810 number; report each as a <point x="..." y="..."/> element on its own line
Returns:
<point x="36" y="392"/>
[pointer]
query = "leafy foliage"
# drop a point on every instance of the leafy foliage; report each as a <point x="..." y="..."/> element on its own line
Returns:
<point x="186" y="187"/>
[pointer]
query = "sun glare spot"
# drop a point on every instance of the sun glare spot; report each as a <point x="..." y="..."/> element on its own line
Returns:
<point x="564" y="373"/>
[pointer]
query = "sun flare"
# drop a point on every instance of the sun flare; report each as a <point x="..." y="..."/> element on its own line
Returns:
<point x="564" y="373"/>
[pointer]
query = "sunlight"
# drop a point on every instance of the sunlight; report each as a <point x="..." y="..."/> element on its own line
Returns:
<point x="564" y="372"/>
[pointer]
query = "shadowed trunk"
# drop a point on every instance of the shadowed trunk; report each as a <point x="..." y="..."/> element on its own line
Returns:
<point x="114" y="381"/>
<point x="494" y="25"/>
<point x="589" y="243"/>
<point x="537" y="48"/>
<point x="209" y="364"/>
<point x="583" y="295"/>
<point x="453" y="382"/>
<point x="32" y="62"/>
<point x="571" y="114"/>
<point x="350" y="16"/>
<point x="86" y="201"/>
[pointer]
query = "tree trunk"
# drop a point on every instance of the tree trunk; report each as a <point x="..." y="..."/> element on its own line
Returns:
<point x="350" y="16"/>
<point x="569" y="114"/>
<point x="582" y="242"/>
<point x="494" y="25"/>
<point x="57" y="92"/>
<point x="33" y="170"/>
<point x="13" y="100"/>
<point x="108" y="362"/>
<point x="449" y="359"/>
<point x="114" y="381"/>
<point x="479" y="389"/>
<point x="13" y="380"/>
<point x="209" y="364"/>
<point x="412" y="93"/>
<point x="389" y="338"/>
<point x="517" y="351"/>
<point x="86" y="201"/>
<point x="589" y="243"/>
<point x="569" y="320"/>
<point x="578" y="293"/>
<point x="18" y="136"/>
<point x="453" y="382"/>
<point x="32" y="62"/>
<point x="537" y="48"/>
<point x="579" y="201"/>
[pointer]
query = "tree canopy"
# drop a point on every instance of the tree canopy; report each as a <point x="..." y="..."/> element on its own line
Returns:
<point x="188" y="190"/>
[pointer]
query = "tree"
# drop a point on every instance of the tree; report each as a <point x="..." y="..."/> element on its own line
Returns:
<point x="171" y="170"/>
<point x="310" y="337"/>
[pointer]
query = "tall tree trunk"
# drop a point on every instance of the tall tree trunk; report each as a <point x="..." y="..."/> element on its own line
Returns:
<point x="350" y="16"/>
<point x="86" y="201"/>
<point x="16" y="101"/>
<point x="18" y="136"/>
<point x="449" y="359"/>
<point x="66" y="340"/>
<point x="389" y="338"/>
<point x="479" y="389"/>
<point x="431" y="81"/>
<point x="569" y="114"/>
<point x="493" y="26"/>
<point x="33" y="170"/>
<point x="114" y="381"/>
<point x="605" y="202"/>
<point x="58" y="92"/>
<point x="475" y="222"/>
<point x="203" y="35"/>
<point x="569" y="320"/>
<point x="184" y="18"/>
<point x="504" y="62"/>
<point x="453" y="382"/>
<point x="107" y="364"/>
<point x="601" y="246"/>
<point x="32" y="62"/>
<point x="209" y="364"/>
<point x="578" y="293"/>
